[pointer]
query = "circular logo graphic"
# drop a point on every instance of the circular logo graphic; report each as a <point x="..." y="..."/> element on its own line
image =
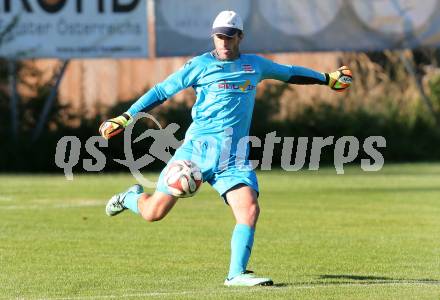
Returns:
<point x="194" y="18"/>
<point x="397" y="16"/>
<point x="298" y="17"/>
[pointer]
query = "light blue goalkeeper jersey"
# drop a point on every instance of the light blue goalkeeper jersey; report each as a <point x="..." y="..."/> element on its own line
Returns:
<point x="225" y="91"/>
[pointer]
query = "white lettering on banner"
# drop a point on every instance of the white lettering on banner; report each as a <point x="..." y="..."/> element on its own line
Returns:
<point x="73" y="28"/>
<point x="299" y="17"/>
<point x="194" y="18"/>
<point x="398" y="16"/>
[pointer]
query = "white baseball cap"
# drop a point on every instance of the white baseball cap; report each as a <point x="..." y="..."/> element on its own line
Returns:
<point x="228" y="23"/>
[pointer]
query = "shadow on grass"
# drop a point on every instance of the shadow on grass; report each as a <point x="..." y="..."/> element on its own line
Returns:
<point x="391" y="190"/>
<point x="344" y="279"/>
<point x="359" y="279"/>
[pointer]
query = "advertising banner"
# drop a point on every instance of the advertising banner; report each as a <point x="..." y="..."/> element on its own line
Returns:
<point x="73" y="28"/>
<point x="183" y="27"/>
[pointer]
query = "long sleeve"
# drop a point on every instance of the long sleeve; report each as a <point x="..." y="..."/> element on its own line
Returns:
<point x="291" y="74"/>
<point x="185" y="77"/>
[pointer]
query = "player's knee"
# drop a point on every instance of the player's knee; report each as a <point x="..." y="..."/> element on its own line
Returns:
<point x="254" y="211"/>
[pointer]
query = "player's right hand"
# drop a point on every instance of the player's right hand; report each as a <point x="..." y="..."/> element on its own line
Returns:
<point x="114" y="126"/>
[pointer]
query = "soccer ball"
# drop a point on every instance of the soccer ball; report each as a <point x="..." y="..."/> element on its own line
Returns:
<point x="344" y="79"/>
<point x="183" y="178"/>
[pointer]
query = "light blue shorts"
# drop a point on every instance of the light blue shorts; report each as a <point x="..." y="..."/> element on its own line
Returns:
<point x="218" y="170"/>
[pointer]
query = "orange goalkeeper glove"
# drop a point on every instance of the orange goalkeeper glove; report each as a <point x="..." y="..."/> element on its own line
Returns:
<point x="114" y="126"/>
<point x="340" y="79"/>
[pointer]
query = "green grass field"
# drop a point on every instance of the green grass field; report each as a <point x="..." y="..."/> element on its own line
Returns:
<point x="320" y="236"/>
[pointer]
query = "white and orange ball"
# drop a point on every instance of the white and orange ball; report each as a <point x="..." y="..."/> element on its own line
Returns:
<point x="344" y="79"/>
<point x="183" y="178"/>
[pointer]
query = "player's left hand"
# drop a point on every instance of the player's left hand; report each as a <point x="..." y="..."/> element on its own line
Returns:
<point x="114" y="126"/>
<point x="340" y="79"/>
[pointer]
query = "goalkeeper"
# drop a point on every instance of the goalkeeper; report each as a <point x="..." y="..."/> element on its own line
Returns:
<point x="225" y="83"/>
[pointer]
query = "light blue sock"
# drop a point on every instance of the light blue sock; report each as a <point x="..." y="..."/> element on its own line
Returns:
<point x="241" y="247"/>
<point x="131" y="202"/>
